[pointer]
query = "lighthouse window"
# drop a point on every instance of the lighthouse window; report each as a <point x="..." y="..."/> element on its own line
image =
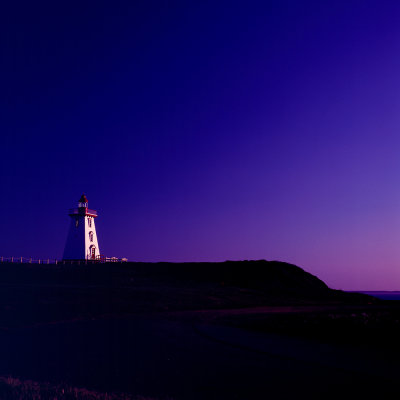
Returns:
<point x="89" y="222"/>
<point x="91" y="236"/>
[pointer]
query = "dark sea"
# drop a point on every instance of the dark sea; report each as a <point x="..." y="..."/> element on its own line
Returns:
<point x="384" y="295"/>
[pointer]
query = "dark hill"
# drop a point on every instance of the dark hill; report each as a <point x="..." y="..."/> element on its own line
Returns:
<point x="148" y="327"/>
<point x="259" y="274"/>
<point x="279" y="281"/>
<point x="35" y="293"/>
<point x="272" y="277"/>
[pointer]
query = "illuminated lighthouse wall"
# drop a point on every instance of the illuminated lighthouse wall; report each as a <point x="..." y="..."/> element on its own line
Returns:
<point x="82" y="243"/>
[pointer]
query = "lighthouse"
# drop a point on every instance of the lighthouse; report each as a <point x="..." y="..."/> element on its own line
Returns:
<point x="82" y="241"/>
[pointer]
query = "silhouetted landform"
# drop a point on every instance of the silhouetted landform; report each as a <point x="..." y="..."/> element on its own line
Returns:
<point x="47" y="292"/>
<point x="186" y="330"/>
<point x="278" y="281"/>
<point x="273" y="279"/>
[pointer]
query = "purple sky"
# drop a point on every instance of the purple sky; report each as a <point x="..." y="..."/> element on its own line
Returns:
<point x="207" y="132"/>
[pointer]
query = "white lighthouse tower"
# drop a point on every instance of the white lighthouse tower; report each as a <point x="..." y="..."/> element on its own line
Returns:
<point x="82" y="241"/>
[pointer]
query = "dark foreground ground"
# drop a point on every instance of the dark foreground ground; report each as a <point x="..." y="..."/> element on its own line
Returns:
<point x="248" y="330"/>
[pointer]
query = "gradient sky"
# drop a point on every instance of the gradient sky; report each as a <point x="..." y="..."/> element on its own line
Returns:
<point x="206" y="131"/>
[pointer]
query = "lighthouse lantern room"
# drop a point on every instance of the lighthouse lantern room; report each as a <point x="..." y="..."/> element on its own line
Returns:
<point x="82" y="241"/>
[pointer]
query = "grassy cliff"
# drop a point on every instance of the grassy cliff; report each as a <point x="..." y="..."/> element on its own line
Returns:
<point x="38" y="293"/>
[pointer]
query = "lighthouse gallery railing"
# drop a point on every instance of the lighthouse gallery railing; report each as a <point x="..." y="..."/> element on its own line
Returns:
<point x="82" y="211"/>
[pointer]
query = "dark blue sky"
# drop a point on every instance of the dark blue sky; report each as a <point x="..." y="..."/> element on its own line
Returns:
<point x="212" y="131"/>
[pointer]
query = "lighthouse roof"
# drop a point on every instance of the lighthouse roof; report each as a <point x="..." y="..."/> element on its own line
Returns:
<point x="83" y="199"/>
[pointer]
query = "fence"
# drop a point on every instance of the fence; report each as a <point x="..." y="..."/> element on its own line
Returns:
<point x="25" y="260"/>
